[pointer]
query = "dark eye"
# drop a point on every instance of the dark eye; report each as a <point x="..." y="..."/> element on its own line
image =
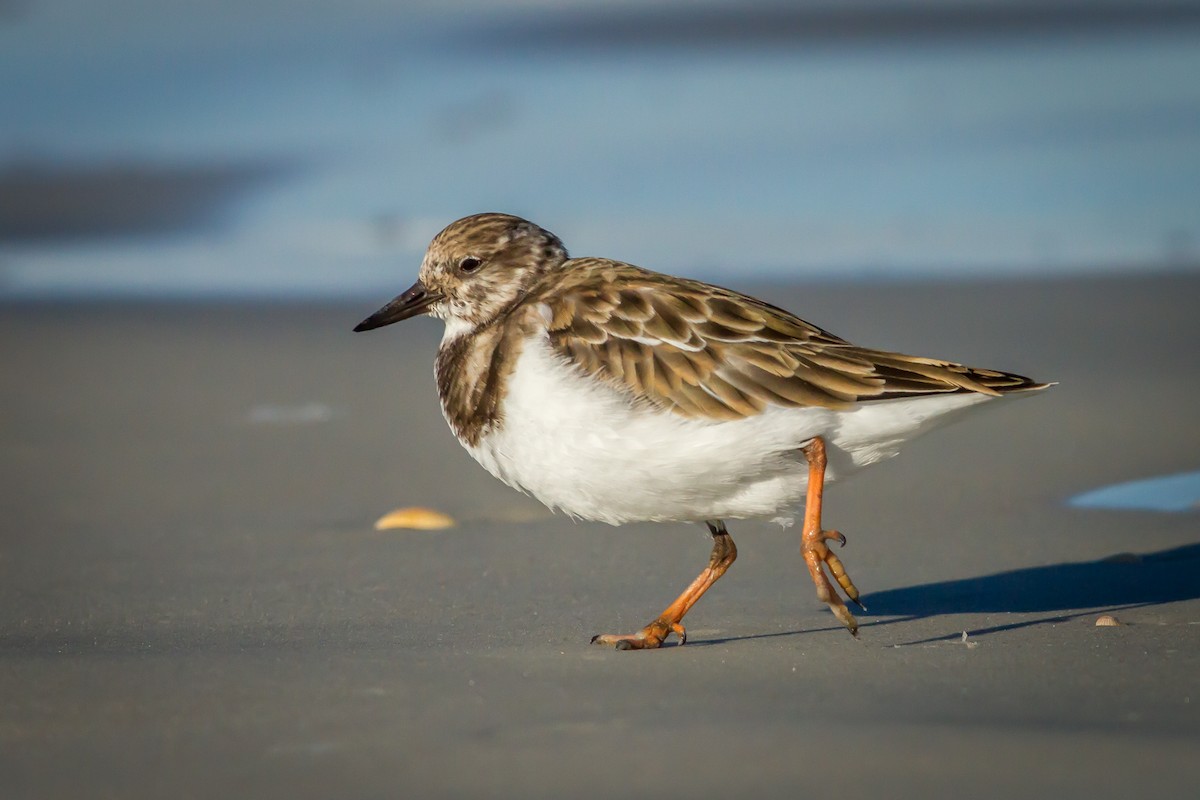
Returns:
<point x="469" y="264"/>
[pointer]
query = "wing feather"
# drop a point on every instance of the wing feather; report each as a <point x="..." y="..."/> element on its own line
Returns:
<point x="705" y="352"/>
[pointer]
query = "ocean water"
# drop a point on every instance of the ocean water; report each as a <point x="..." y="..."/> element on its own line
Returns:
<point x="1179" y="493"/>
<point x="309" y="148"/>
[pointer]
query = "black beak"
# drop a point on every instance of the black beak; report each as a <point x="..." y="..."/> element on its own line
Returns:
<point x="414" y="301"/>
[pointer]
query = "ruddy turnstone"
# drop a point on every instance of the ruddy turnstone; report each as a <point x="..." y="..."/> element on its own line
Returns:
<point x="618" y="394"/>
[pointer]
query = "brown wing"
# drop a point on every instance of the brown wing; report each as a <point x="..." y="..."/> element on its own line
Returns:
<point x="703" y="351"/>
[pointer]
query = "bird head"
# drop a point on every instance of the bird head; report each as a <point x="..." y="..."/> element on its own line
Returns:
<point x="475" y="270"/>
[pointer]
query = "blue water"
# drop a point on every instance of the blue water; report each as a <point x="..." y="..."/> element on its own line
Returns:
<point x="1165" y="493"/>
<point x="384" y="121"/>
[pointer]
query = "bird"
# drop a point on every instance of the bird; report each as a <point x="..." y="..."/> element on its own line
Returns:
<point x="616" y="394"/>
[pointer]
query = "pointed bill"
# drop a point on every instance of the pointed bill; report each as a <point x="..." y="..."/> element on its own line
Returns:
<point x="414" y="301"/>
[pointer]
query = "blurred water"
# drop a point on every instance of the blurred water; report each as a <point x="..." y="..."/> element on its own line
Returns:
<point x="1164" y="493"/>
<point x="304" y="147"/>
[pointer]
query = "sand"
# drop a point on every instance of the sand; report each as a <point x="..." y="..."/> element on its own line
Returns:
<point x="193" y="602"/>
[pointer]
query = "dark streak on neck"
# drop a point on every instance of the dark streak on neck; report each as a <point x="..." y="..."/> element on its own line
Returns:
<point x="472" y="373"/>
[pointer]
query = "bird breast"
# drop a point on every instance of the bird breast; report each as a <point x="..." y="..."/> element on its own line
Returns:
<point x="580" y="446"/>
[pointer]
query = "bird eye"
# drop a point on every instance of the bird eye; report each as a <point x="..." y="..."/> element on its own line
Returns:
<point x="469" y="264"/>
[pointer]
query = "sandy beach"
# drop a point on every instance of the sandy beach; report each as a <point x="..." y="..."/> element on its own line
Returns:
<point x="194" y="603"/>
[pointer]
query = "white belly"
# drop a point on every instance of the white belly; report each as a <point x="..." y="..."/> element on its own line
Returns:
<point x="579" y="446"/>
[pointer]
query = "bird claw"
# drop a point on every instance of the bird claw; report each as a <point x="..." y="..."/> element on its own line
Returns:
<point x="648" y="638"/>
<point x="817" y="553"/>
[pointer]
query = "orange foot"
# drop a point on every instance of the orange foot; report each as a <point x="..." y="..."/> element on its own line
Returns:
<point x="817" y="555"/>
<point x="648" y="638"/>
<point x="670" y="621"/>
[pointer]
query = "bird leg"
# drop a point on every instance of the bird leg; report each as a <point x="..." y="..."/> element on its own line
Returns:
<point x="817" y="554"/>
<point x="653" y="635"/>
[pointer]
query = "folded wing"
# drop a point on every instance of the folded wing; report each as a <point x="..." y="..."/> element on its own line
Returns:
<point x="703" y="351"/>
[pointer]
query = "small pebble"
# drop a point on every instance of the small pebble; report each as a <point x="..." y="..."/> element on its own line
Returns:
<point x="1107" y="621"/>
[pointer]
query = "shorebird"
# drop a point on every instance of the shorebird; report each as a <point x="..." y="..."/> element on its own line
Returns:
<point x="617" y="394"/>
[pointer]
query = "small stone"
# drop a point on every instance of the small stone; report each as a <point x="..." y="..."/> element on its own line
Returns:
<point x="1107" y="621"/>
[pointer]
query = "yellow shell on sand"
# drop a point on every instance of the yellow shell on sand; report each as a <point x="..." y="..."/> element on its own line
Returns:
<point x="414" y="518"/>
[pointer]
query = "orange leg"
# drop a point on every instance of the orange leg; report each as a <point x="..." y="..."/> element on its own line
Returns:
<point x="653" y="635"/>
<point x="816" y="553"/>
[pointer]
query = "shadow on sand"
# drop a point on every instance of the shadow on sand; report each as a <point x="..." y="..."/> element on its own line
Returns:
<point x="1121" y="580"/>
<point x="1064" y="591"/>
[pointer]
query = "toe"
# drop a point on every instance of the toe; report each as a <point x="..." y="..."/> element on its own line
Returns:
<point x="845" y="617"/>
<point x="648" y="638"/>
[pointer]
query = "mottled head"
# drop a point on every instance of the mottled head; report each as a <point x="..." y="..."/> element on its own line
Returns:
<point x="474" y="270"/>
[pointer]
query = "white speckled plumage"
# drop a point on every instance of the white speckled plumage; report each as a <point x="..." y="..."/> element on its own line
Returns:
<point x="580" y="447"/>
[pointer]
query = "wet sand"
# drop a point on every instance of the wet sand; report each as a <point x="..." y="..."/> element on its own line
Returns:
<point x="193" y="602"/>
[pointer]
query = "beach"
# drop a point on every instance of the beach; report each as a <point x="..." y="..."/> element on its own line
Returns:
<point x="194" y="601"/>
